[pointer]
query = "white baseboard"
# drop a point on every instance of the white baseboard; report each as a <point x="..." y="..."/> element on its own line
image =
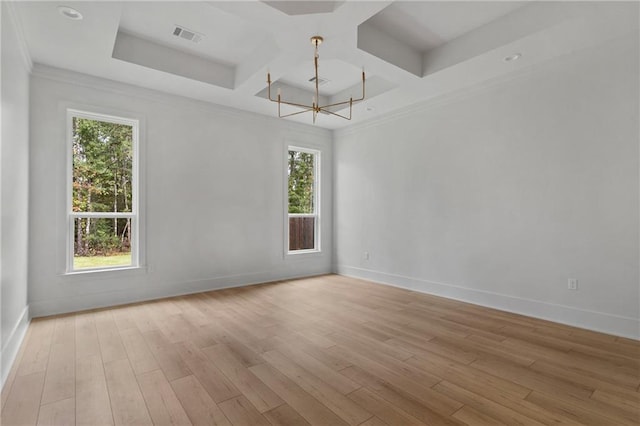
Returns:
<point x="10" y="349"/>
<point x="114" y="298"/>
<point x="596" y="321"/>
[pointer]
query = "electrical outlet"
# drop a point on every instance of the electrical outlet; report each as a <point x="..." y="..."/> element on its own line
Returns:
<point x="572" y="284"/>
<point x="365" y="255"/>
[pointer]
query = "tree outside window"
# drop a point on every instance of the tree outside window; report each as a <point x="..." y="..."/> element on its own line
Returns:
<point x="103" y="205"/>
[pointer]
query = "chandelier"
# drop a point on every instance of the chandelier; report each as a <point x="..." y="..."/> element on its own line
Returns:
<point x="315" y="106"/>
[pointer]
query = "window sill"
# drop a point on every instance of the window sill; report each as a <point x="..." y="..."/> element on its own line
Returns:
<point x="106" y="272"/>
<point x="303" y="253"/>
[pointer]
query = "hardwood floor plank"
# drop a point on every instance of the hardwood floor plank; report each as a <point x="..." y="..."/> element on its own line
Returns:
<point x="516" y="331"/>
<point x="319" y="369"/>
<point x="242" y="413"/>
<point x="194" y="316"/>
<point x="60" y="379"/>
<point x="123" y="318"/>
<point x="23" y="403"/>
<point x="290" y="332"/>
<point x="202" y="337"/>
<point x="374" y="421"/>
<point x="619" y="414"/>
<point x="245" y="336"/>
<point x="93" y="406"/>
<point x="580" y="414"/>
<point x="60" y="413"/>
<point x="219" y="387"/>
<point x="166" y="355"/>
<point x="471" y="416"/>
<point x="308" y="407"/>
<point x="466" y="376"/>
<point x="419" y="391"/>
<point x="241" y="351"/>
<point x="378" y="359"/>
<point x="284" y="415"/>
<point x="244" y="380"/>
<point x="532" y="379"/>
<point x="140" y="357"/>
<point x="64" y="331"/>
<point x="201" y="409"/>
<point x="162" y="403"/>
<point x="383" y="409"/>
<point x="319" y="353"/>
<point x="399" y="398"/>
<point x="561" y="372"/>
<point x="525" y="348"/>
<point x="87" y="343"/>
<point x="490" y="351"/>
<point x="612" y="369"/>
<point x="398" y="331"/>
<point x="496" y="389"/>
<point x="127" y="404"/>
<point x="591" y="362"/>
<point x="177" y="329"/>
<point x="629" y="401"/>
<point x="369" y="345"/>
<point x="483" y="405"/>
<point x="162" y="309"/>
<point x="314" y="386"/>
<point x="142" y="318"/>
<point x="111" y="346"/>
<point x="428" y="348"/>
<point x="36" y="354"/>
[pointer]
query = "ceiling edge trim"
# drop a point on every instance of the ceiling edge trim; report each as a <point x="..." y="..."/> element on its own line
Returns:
<point x="22" y="41"/>
<point x="98" y="83"/>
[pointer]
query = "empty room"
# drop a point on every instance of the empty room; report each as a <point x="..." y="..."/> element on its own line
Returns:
<point x="359" y="213"/>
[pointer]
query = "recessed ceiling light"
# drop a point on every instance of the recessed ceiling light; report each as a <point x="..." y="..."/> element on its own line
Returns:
<point x="513" y="57"/>
<point x="70" y="13"/>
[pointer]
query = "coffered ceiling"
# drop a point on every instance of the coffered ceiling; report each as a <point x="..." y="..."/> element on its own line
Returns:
<point x="412" y="51"/>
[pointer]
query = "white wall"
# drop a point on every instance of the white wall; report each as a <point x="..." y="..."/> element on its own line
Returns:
<point x="499" y="195"/>
<point x="214" y="195"/>
<point x="14" y="190"/>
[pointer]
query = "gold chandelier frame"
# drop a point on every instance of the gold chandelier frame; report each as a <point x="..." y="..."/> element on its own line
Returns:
<point x="315" y="107"/>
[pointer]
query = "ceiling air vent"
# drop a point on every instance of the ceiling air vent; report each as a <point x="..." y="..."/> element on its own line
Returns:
<point x="321" y="81"/>
<point x="186" y="34"/>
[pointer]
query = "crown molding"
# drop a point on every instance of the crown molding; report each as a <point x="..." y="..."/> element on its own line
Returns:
<point x="130" y="90"/>
<point x="22" y="43"/>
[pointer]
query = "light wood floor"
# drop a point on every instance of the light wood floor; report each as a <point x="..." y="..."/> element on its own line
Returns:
<point x="323" y="351"/>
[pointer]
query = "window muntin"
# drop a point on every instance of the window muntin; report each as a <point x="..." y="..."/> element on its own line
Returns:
<point x="303" y="200"/>
<point x="103" y="194"/>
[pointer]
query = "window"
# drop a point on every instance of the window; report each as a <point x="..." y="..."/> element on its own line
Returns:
<point x="303" y="185"/>
<point x="103" y="193"/>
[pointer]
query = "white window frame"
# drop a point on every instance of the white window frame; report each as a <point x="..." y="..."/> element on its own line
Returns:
<point x="317" y="163"/>
<point x="134" y="215"/>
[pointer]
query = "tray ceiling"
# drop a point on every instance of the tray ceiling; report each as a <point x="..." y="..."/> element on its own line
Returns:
<point x="412" y="51"/>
